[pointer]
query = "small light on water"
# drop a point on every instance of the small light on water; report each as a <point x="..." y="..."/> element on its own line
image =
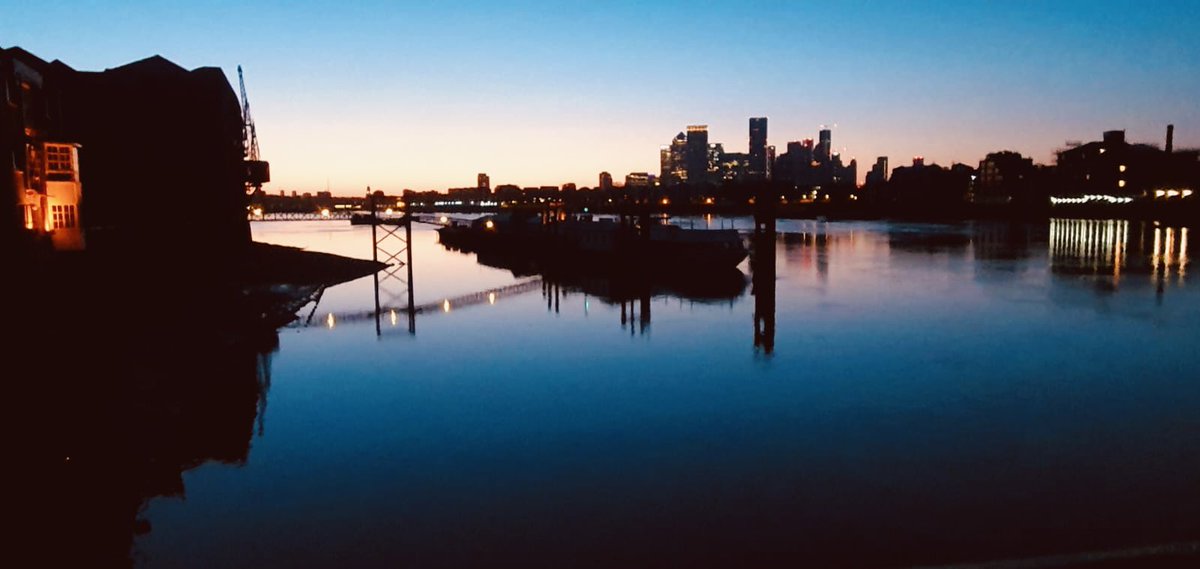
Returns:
<point x="488" y="224"/>
<point x="491" y="298"/>
<point x="446" y="305"/>
<point x="444" y="219"/>
<point x="329" y="322"/>
<point x="325" y="212"/>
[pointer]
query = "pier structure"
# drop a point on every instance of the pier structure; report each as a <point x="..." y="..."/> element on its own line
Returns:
<point x="391" y="244"/>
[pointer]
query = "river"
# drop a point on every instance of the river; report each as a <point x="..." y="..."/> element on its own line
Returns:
<point x="899" y="394"/>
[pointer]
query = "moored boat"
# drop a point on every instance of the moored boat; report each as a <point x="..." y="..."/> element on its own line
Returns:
<point x="607" y="242"/>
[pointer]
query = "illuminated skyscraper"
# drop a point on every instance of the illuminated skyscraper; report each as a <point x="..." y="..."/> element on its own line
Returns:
<point x="758" y="148"/>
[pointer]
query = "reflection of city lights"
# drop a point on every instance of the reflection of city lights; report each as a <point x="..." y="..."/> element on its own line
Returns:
<point x="388" y="211"/>
<point x="1186" y="193"/>
<point x="329" y="321"/>
<point x="1172" y="193"/>
<point x="325" y="213"/>
<point x="446" y="305"/>
<point x="489" y="224"/>
<point x="393" y="315"/>
<point x="491" y="298"/>
<point x="258" y="212"/>
<point x="444" y="219"/>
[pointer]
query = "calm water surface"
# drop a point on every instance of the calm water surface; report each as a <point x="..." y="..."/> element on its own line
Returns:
<point x="930" y="394"/>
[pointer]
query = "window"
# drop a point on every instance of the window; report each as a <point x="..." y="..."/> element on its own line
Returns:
<point x="63" y="216"/>
<point x="58" y="159"/>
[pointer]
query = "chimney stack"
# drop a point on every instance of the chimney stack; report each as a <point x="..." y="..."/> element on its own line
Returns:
<point x="1170" y="138"/>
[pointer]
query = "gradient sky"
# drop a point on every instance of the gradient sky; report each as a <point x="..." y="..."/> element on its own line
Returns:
<point x="424" y="95"/>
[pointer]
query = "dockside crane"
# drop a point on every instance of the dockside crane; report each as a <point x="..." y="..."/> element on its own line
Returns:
<point x="258" y="171"/>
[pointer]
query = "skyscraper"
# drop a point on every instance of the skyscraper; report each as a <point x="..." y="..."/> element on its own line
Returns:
<point x="605" y="181"/>
<point x="824" y="146"/>
<point x="758" y="148"/>
<point x="483" y="182"/>
<point x="696" y="159"/>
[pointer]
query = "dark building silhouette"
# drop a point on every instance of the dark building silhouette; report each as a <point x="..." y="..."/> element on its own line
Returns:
<point x="824" y="146"/>
<point x="1005" y="177"/>
<point x="160" y="149"/>
<point x="606" y="182"/>
<point x="929" y="188"/>
<point x="1114" y="167"/>
<point x="878" y="174"/>
<point x="483" y="182"/>
<point x="807" y="167"/>
<point x="757" y="166"/>
<point x="696" y="157"/>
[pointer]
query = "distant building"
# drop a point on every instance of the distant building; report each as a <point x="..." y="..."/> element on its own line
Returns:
<point x="1003" y="177"/>
<point x="824" y="150"/>
<point x="803" y="165"/>
<point x="696" y="157"/>
<point x="606" y="182"/>
<point x="483" y="182"/>
<point x="879" y="173"/>
<point x="1114" y="167"/>
<point x="756" y="167"/>
<point x="638" y="180"/>
<point x="930" y="187"/>
<point x="736" y="166"/>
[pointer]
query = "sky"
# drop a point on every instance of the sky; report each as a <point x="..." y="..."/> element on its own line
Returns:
<point x="425" y="95"/>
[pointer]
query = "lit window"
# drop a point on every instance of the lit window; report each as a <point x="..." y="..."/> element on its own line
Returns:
<point x="58" y="159"/>
<point x="63" y="216"/>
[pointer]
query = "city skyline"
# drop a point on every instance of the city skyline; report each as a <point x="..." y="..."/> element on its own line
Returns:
<point x="426" y="97"/>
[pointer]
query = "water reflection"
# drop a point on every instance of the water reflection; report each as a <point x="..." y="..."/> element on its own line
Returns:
<point x="928" y="399"/>
<point x="1119" y="250"/>
<point x="763" y="268"/>
<point x="632" y="290"/>
<point x="120" y="402"/>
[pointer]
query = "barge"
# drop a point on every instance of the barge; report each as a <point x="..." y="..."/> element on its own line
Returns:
<point x="582" y="239"/>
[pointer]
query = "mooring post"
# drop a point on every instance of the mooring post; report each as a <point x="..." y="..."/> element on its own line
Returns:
<point x="412" y="314"/>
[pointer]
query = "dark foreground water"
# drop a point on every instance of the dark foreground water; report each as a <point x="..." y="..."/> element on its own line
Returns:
<point x="929" y="394"/>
